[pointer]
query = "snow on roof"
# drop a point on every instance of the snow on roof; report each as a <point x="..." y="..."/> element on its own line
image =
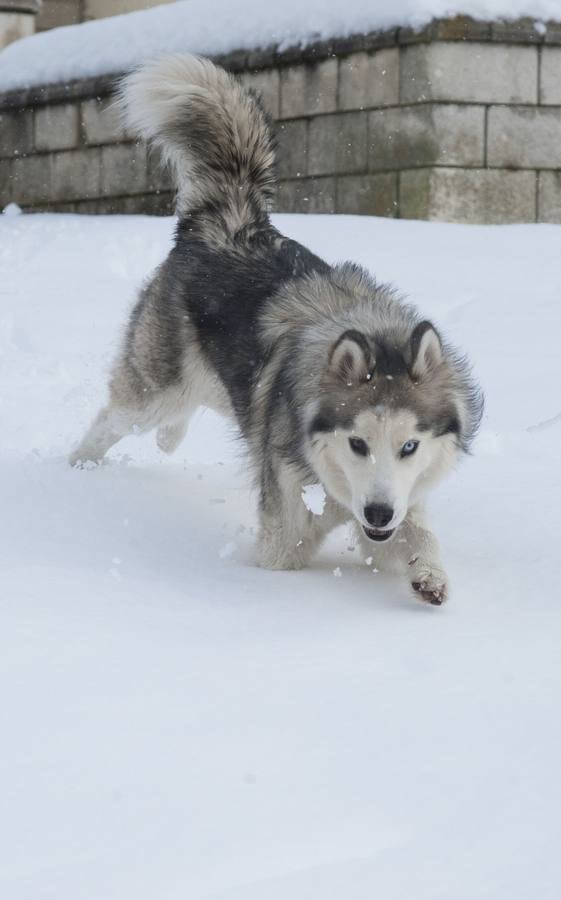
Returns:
<point x="213" y="27"/>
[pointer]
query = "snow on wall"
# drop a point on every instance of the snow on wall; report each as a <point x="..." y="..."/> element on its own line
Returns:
<point x="212" y="27"/>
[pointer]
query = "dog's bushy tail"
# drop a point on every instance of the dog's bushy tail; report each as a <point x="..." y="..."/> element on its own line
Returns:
<point x="212" y="133"/>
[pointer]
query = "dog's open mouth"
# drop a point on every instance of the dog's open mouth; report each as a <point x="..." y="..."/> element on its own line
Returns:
<point x="377" y="534"/>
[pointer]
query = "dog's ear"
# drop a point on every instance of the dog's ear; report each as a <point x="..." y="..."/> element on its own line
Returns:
<point x="426" y="350"/>
<point x="350" y="358"/>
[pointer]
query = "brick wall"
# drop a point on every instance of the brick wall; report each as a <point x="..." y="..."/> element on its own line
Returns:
<point x="459" y="122"/>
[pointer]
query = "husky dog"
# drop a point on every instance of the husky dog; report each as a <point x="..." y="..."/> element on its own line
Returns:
<point x="330" y="376"/>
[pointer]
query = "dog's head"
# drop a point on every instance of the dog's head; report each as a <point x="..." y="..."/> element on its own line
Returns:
<point x="389" y="421"/>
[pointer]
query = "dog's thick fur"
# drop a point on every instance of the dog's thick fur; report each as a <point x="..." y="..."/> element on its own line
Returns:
<point x="330" y="376"/>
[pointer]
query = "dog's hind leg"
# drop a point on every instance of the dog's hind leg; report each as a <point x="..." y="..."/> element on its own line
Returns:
<point x="200" y="388"/>
<point x="110" y="425"/>
<point x="169" y="436"/>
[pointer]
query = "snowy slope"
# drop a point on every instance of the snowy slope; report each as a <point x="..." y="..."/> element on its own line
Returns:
<point x="211" y="27"/>
<point x="177" y="723"/>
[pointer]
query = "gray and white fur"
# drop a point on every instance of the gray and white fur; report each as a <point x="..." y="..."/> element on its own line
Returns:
<point x="330" y="376"/>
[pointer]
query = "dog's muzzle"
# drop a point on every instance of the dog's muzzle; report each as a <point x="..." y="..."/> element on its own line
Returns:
<point x="378" y="534"/>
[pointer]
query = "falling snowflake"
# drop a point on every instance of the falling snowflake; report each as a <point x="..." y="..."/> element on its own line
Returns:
<point x="313" y="497"/>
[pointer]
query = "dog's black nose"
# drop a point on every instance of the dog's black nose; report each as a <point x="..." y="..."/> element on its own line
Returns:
<point x="378" y="514"/>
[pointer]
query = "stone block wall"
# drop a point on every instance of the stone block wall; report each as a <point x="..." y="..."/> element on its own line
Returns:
<point x="460" y="122"/>
<point x="17" y="20"/>
<point x="55" y="13"/>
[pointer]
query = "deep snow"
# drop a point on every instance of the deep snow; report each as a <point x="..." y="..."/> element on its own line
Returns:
<point x="211" y="27"/>
<point x="177" y="723"/>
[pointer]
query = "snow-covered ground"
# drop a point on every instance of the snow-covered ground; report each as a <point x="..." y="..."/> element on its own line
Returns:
<point x="177" y="723"/>
<point x="212" y="27"/>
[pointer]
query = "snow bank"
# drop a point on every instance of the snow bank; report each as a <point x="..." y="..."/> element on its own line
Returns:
<point x="212" y="27"/>
<point x="178" y="723"/>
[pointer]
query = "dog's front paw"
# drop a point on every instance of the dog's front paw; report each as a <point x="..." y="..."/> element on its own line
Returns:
<point x="429" y="582"/>
<point x="280" y="562"/>
<point x="273" y="556"/>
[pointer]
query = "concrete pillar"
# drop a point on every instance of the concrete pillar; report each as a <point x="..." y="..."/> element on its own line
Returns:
<point x="17" y="19"/>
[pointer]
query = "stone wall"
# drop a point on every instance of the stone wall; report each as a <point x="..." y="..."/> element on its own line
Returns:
<point x="460" y="122"/>
<point x="54" y="13"/>
<point x="17" y="20"/>
<point x="58" y="13"/>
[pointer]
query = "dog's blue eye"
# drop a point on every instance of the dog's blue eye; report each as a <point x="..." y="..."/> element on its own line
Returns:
<point x="358" y="446"/>
<point x="409" y="448"/>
